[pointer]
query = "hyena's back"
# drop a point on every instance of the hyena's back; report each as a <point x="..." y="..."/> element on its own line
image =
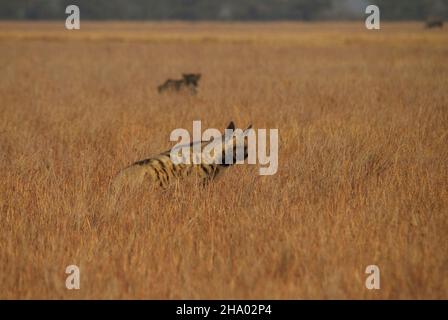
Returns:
<point x="130" y="177"/>
<point x="153" y="170"/>
<point x="159" y="171"/>
<point x="170" y="85"/>
<point x="188" y="83"/>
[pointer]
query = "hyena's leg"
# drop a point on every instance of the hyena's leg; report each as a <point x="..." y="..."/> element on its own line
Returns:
<point x="178" y="85"/>
<point x="193" y="90"/>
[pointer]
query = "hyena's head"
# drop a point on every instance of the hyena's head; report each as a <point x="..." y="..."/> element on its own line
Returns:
<point x="192" y="78"/>
<point x="235" y="147"/>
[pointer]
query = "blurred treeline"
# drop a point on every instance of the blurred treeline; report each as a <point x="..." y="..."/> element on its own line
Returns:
<point x="223" y="9"/>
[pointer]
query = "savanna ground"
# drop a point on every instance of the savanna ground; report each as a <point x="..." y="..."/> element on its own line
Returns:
<point x="363" y="171"/>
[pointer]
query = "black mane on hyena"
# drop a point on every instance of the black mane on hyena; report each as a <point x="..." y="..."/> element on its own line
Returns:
<point x="188" y="83"/>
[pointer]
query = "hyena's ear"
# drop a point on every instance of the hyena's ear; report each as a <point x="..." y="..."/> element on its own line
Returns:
<point x="249" y="127"/>
<point x="231" y="126"/>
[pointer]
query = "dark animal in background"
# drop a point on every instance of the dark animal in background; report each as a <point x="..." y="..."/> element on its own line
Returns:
<point x="189" y="83"/>
<point x="434" y="23"/>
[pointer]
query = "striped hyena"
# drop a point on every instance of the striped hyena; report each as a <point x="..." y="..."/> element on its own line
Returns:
<point x="188" y="83"/>
<point x="162" y="171"/>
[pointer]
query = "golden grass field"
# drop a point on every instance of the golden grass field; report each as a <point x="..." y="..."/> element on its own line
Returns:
<point x="363" y="171"/>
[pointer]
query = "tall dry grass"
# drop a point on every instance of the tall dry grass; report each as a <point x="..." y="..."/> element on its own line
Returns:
<point x="362" y="180"/>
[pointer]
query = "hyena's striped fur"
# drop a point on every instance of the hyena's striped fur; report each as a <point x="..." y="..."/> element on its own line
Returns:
<point x="160" y="170"/>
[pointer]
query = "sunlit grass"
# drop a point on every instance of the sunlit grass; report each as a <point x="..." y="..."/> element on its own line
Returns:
<point x="363" y="175"/>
